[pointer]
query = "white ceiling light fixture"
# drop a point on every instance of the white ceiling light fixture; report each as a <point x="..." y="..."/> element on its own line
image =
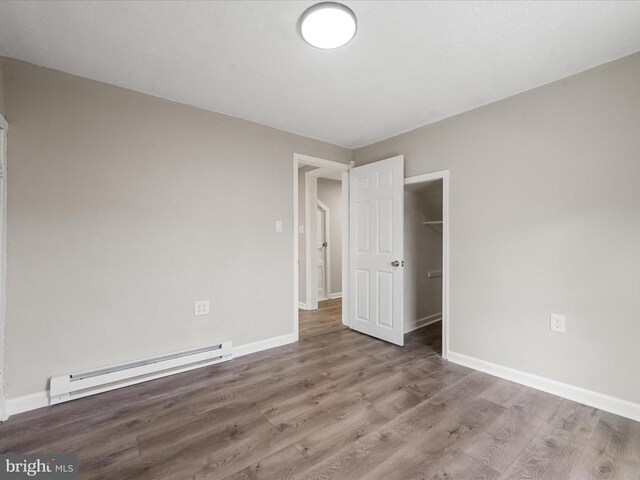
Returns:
<point x="328" y="25"/>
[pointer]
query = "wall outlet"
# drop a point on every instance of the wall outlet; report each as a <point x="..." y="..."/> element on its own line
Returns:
<point x="557" y="323"/>
<point x="301" y="229"/>
<point x="201" y="307"/>
<point x="279" y="226"/>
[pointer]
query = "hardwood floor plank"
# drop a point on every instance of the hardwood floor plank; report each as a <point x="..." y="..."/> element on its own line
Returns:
<point x="551" y="454"/>
<point x="217" y="428"/>
<point x="282" y="465"/>
<point x="425" y="451"/>
<point x="503" y="392"/>
<point x="500" y="444"/>
<point x="460" y="466"/>
<point x="576" y="418"/>
<point x="613" y="451"/>
<point x="333" y="437"/>
<point x="359" y="458"/>
<point x="534" y="406"/>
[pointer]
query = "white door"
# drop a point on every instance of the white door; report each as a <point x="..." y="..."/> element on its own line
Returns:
<point x="321" y="252"/>
<point x="376" y="211"/>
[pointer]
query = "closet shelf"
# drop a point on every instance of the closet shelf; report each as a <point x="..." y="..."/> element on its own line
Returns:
<point x="434" y="222"/>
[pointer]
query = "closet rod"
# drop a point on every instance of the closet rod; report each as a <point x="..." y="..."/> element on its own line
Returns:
<point x="434" y="274"/>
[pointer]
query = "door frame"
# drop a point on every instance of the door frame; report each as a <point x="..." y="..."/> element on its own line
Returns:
<point x="446" y="277"/>
<point x="327" y="252"/>
<point x="4" y="126"/>
<point x="302" y="159"/>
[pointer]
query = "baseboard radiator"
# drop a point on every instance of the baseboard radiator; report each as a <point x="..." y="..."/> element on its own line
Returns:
<point x="70" y="386"/>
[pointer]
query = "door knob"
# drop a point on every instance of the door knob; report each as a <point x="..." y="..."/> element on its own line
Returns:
<point x="395" y="263"/>
<point x="324" y="244"/>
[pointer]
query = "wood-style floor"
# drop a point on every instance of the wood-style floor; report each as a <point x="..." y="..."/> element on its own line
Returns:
<point x="336" y="405"/>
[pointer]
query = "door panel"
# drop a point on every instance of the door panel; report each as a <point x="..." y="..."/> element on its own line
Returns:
<point x="362" y="296"/>
<point x="376" y="207"/>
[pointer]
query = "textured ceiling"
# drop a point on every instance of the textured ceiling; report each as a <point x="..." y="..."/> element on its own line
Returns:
<point x="411" y="63"/>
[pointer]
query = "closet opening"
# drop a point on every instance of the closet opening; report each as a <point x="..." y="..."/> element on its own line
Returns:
<point x="424" y="249"/>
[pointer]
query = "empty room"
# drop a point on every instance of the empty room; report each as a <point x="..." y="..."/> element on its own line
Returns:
<point x="378" y="240"/>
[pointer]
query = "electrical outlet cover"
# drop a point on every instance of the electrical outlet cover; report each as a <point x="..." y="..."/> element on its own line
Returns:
<point x="201" y="307"/>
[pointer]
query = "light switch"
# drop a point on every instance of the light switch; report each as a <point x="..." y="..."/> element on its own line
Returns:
<point x="279" y="226"/>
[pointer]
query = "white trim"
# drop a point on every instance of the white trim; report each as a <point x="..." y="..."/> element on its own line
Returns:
<point x="426" y="177"/>
<point x="446" y="276"/>
<point x="345" y="246"/>
<point x="296" y="253"/>
<point x="333" y="296"/>
<point x="302" y="306"/>
<point x="26" y="403"/>
<point x="422" y="322"/>
<point x="260" y="345"/>
<point x="4" y="409"/>
<point x="604" y="402"/>
<point x="310" y="183"/>
<point x="318" y="162"/>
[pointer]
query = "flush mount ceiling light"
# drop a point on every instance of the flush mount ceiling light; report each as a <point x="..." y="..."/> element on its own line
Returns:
<point x="328" y="25"/>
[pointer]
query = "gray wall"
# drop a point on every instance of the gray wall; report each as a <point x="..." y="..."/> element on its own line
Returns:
<point x="545" y="217"/>
<point x="330" y="193"/>
<point x="123" y="209"/>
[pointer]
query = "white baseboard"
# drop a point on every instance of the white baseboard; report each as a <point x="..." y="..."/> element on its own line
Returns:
<point x="333" y="296"/>
<point x="601" y="401"/>
<point x="13" y="406"/>
<point x="25" y="403"/>
<point x="422" y="322"/>
<point x="241" y="350"/>
<point x="303" y="306"/>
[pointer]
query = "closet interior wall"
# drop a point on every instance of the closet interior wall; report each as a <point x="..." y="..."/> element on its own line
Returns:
<point x="423" y="254"/>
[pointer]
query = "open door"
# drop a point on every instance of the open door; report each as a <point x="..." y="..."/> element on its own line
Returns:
<point x="376" y="226"/>
<point x="321" y="251"/>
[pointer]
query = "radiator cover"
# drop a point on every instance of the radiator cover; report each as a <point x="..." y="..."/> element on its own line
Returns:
<point x="70" y="386"/>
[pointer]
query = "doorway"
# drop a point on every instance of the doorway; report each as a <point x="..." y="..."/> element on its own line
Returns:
<point x="423" y="254"/>
<point x="321" y="256"/>
<point x="426" y="296"/>
<point x="372" y="266"/>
